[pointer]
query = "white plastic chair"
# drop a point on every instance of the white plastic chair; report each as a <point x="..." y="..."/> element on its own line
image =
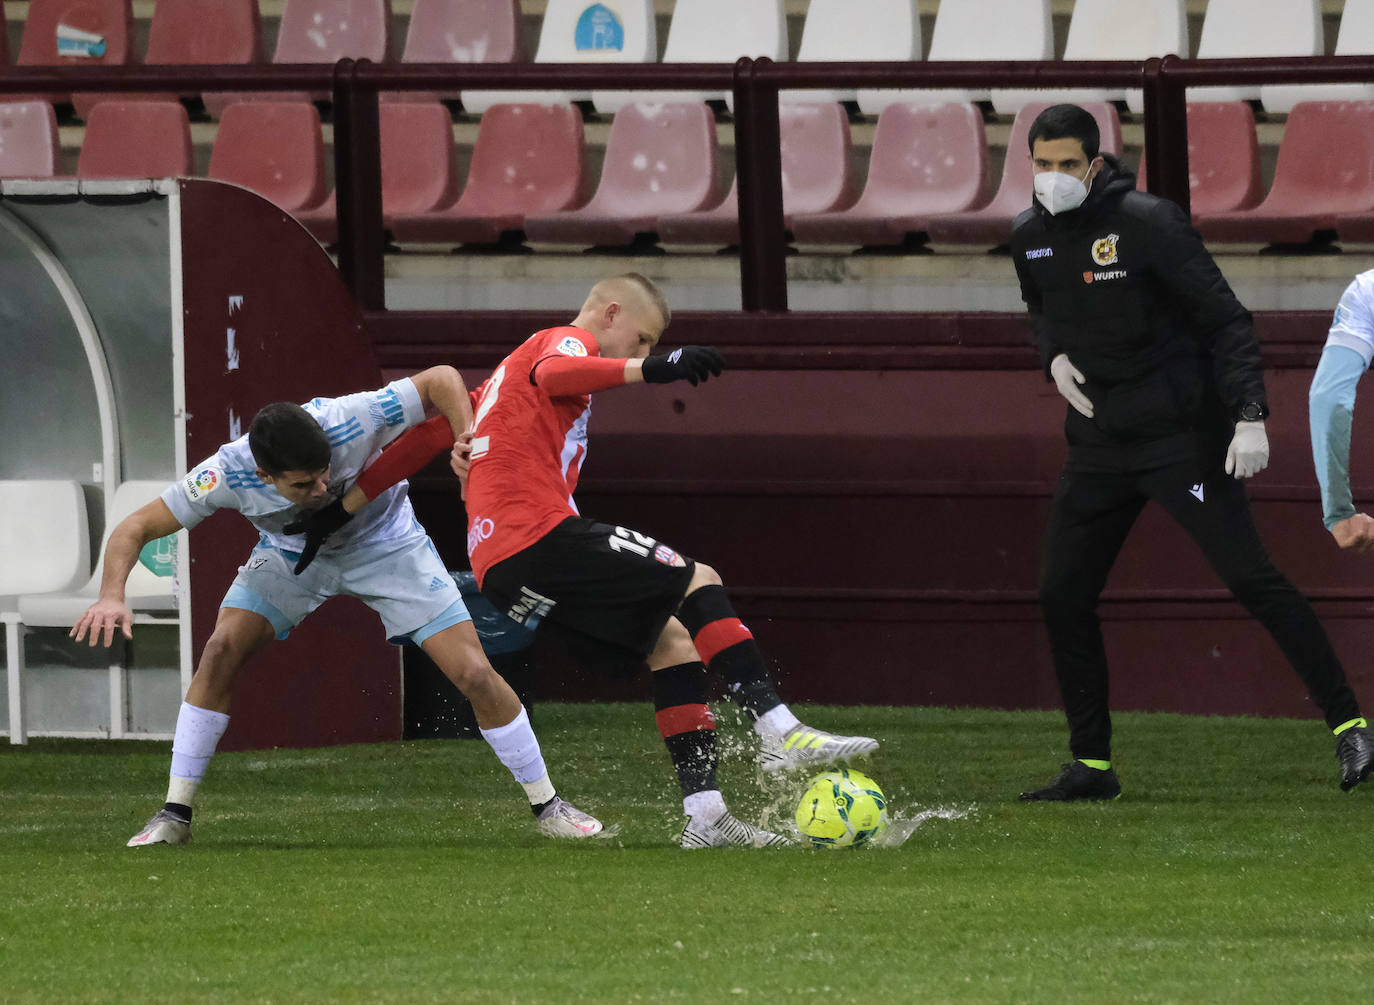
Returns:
<point x="882" y="31"/>
<point x="1355" y="37"/>
<point x="1109" y="29"/>
<point x="45" y="546"/>
<point x="1256" y="28"/>
<point x="148" y="593"/>
<point x="581" y="31"/>
<point x="711" y="31"/>
<point x="987" y="30"/>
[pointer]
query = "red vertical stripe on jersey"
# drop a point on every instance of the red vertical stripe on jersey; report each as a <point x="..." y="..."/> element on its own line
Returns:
<point x="718" y="635"/>
<point x="684" y="719"/>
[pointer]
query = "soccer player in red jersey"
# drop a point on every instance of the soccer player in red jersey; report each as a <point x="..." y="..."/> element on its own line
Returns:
<point x="539" y="561"/>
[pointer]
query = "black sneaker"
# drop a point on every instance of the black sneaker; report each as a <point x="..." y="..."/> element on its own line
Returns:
<point x="1078" y="781"/>
<point x="1355" y="750"/>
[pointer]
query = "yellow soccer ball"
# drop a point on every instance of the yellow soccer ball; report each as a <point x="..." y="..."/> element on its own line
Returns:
<point x="842" y="809"/>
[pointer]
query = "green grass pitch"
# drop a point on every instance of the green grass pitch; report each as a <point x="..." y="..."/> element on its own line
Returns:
<point x="1232" y="869"/>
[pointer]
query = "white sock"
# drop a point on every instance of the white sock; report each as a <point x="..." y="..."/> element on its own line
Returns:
<point x="777" y="721"/>
<point x="709" y="802"/>
<point x="517" y="748"/>
<point x="197" y="735"/>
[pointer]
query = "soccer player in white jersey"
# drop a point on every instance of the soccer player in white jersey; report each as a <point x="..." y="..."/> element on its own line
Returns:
<point x="610" y="591"/>
<point x="295" y="460"/>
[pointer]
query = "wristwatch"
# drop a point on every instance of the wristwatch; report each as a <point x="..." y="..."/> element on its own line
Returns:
<point x="1252" y="411"/>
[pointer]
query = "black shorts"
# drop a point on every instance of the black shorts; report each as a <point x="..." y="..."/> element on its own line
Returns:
<point x="612" y="584"/>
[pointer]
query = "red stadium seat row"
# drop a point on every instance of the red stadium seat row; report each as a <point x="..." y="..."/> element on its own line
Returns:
<point x="62" y="32"/>
<point x="927" y="176"/>
<point x="229" y="32"/>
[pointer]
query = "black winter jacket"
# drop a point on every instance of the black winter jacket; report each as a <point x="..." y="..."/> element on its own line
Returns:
<point x="1124" y="286"/>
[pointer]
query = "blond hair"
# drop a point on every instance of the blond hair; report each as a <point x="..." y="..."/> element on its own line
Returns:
<point x="632" y="289"/>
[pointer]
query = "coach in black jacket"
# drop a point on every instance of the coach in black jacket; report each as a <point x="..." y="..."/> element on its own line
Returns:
<point x="1161" y="369"/>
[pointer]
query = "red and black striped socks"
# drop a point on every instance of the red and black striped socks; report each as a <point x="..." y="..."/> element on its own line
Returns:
<point x="687" y="725"/>
<point x="728" y="649"/>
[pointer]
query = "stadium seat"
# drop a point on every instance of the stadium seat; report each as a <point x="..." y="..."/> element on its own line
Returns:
<point x="527" y="159"/>
<point x="581" y="31"/>
<point x="275" y="148"/>
<point x="1223" y="158"/>
<point x="816" y="177"/>
<point x="711" y="31"/>
<point x="1109" y="29"/>
<point x="1309" y="197"/>
<point x="991" y="225"/>
<point x="205" y="32"/>
<point x="926" y="160"/>
<point x="89" y="33"/>
<point x="148" y="594"/>
<point x="660" y="160"/>
<point x="44" y="548"/>
<point x="136" y="139"/>
<point x="44" y="538"/>
<point x="419" y="166"/>
<point x="459" y="31"/>
<point x="843" y="30"/>
<point x="29" y="146"/>
<point x="324" y="31"/>
<point x="1256" y="28"/>
<point x="984" y="30"/>
<point x="1355" y="37"/>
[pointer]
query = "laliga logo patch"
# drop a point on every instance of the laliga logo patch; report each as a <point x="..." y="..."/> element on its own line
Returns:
<point x="200" y="484"/>
<point x="1104" y="249"/>
<point x="571" y="346"/>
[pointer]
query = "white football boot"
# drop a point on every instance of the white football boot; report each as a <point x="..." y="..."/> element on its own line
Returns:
<point x="561" y="819"/>
<point x="726" y="830"/>
<point x="805" y="747"/>
<point x="164" y="828"/>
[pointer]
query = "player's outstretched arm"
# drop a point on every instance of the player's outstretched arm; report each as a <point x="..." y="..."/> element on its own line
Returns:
<point x="442" y="388"/>
<point x="411" y="451"/>
<point x="1331" y="412"/>
<point x="566" y="375"/>
<point x="110" y="612"/>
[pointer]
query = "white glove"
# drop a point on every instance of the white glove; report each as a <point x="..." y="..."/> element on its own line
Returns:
<point x="1248" y="453"/>
<point x="1066" y="378"/>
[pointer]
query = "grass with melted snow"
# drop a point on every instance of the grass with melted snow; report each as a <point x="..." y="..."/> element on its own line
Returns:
<point x="1232" y="869"/>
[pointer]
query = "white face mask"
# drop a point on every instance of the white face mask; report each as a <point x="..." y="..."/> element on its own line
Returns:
<point x="1059" y="192"/>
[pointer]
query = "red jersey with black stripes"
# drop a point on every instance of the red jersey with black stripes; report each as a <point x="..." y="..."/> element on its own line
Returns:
<point x="527" y="450"/>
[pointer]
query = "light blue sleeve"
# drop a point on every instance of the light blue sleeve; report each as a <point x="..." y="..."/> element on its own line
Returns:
<point x="358" y="425"/>
<point x="211" y="485"/>
<point x="1331" y="410"/>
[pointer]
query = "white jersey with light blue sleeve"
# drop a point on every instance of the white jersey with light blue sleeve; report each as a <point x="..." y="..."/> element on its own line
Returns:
<point x="1331" y="398"/>
<point x="358" y="426"/>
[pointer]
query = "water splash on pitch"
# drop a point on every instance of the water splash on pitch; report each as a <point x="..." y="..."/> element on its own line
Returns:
<point x="900" y="827"/>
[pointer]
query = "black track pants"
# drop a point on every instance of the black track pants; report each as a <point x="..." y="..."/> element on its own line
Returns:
<point x="1091" y="516"/>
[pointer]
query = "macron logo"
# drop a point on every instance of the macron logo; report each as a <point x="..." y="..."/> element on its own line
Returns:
<point x="1040" y="253"/>
<point x="1196" y="492"/>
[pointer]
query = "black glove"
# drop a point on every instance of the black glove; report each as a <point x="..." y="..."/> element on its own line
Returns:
<point x="692" y="363"/>
<point x="317" y="525"/>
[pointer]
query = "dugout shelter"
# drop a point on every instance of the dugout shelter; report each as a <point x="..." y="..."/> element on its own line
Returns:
<point x="143" y="324"/>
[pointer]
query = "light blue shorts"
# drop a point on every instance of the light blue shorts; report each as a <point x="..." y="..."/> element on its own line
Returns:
<point x="405" y="582"/>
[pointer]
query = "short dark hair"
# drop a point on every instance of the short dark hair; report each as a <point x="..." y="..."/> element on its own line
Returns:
<point x="1066" y="122"/>
<point x="285" y="437"/>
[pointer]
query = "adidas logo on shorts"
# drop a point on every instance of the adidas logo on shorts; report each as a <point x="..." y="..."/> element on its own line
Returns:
<point x="436" y="585"/>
